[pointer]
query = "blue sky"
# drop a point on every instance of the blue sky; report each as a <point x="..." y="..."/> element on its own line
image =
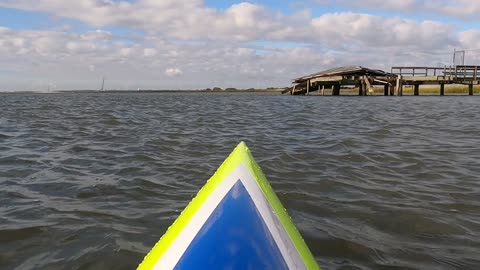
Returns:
<point x="20" y="20"/>
<point x="197" y="44"/>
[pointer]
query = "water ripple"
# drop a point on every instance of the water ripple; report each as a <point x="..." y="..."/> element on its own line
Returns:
<point x="91" y="181"/>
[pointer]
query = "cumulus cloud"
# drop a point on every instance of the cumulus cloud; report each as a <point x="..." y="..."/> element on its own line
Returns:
<point x="462" y="9"/>
<point x="172" y="72"/>
<point x="187" y="19"/>
<point x="49" y="54"/>
<point x="404" y="5"/>
<point x="352" y="29"/>
<point x="242" y="45"/>
<point x="242" y="22"/>
<point x="470" y="38"/>
<point x="149" y="52"/>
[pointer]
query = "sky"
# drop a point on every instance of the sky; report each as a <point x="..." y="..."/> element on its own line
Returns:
<point x="197" y="44"/>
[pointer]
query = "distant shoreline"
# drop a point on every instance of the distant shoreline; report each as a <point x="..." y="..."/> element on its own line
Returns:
<point x="269" y="90"/>
<point x="427" y="89"/>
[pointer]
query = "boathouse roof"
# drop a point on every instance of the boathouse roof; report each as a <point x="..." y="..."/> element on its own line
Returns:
<point x="342" y="71"/>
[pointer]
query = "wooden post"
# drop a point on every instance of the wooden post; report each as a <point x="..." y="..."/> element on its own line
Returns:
<point x="399" y="87"/>
<point x="367" y="87"/>
<point x="308" y="87"/>
<point x="293" y="89"/>
<point x="336" y="89"/>
<point x="385" y="90"/>
<point x="360" y="88"/>
<point x="442" y="89"/>
<point x="392" y="89"/>
<point x="323" y="90"/>
<point x="416" y="90"/>
<point x="470" y="89"/>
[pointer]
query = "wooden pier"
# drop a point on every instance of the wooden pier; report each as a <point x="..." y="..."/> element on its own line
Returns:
<point x="393" y="82"/>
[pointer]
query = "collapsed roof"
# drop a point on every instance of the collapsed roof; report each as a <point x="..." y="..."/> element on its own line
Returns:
<point x="344" y="71"/>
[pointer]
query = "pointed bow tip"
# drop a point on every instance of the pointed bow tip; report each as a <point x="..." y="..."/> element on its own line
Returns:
<point x="242" y="146"/>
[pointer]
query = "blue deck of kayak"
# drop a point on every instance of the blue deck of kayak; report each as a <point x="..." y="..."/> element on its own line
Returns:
<point x="226" y="239"/>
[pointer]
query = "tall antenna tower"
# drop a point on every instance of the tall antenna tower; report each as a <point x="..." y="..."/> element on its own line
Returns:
<point x="103" y="84"/>
<point x="458" y="58"/>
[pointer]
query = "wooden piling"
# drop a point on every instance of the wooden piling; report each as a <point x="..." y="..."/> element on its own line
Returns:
<point x="323" y="90"/>
<point x="336" y="90"/>
<point x="308" y="87"/>
<point x="442" y="89"/>
<point x="416" y="89"/>
<point x="470" y="89"/>
<point x="399" y="88"/>
<point x="368" y="87"/>
<point x="360" y="88"/>
<point x="385" y="90"/>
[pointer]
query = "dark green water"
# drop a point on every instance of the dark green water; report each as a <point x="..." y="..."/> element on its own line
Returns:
<point x="91" y="181"/>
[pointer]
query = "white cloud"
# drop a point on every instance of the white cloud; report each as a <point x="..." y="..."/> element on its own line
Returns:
<point x="470" y="38"/>
<point x="126" y="51"/>
<point x="78" y="47"/>
<point x="186" y="19"/>
<point x="403" y="5"/>
<point x="462" y="9"/>
<point x="191" y="20"/>
<point x="96" y="34"/>
<point x="219" y="47"/>
<point x="348" y="29"/>
<point x="149" y="52"/>
<point x="172" y="72"/>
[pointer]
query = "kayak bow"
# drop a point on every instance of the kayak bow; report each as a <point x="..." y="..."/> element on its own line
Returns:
<point x="236" y="221"/>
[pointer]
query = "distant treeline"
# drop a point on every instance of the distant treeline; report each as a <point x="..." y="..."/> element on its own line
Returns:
<point x="232" y="89"/>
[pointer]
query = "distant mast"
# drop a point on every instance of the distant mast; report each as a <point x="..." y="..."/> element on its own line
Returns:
<point x="103" y="84"/>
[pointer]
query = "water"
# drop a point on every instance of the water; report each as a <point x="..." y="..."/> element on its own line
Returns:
<point x="91" y="181"/>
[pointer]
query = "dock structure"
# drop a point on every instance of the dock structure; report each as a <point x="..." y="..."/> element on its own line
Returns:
<point x="416" y="76"/>
<point x="393" y="82"/>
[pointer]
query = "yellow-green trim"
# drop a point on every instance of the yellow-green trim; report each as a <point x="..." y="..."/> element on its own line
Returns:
<point x="277" y="206"/>
<point x="241" y="154"/>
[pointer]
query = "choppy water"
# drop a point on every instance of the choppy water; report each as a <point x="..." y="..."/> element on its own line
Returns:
<point x="91" y="181"/>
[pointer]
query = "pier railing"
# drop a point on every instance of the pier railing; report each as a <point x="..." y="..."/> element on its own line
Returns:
<point x="423" y="71"/>
<point x="466" y="73"/>
<point x="456" y="73"/>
